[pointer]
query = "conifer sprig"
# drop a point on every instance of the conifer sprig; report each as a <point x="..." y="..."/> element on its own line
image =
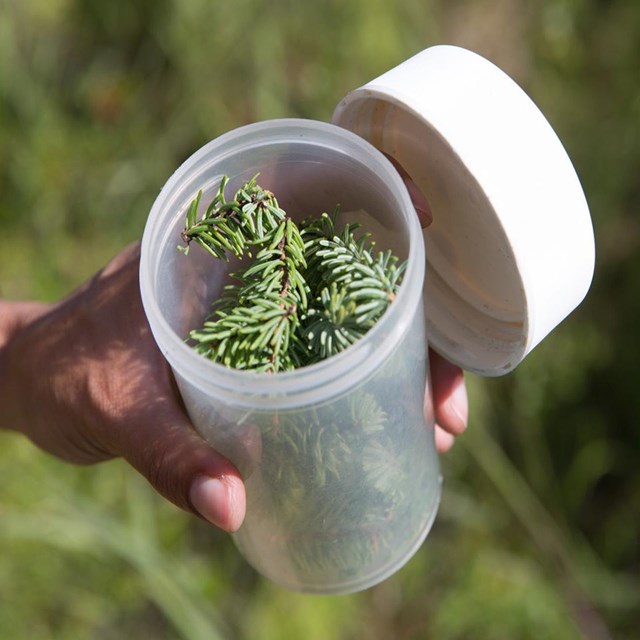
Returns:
<point x="309" y="293"/>
<point x="336" y="475"/>
<point x="252" y="326"/>
<point x="354" y="285"/>
<point x="252" y="217"/>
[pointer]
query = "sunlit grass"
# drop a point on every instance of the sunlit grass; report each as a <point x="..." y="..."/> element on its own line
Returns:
<point x="537" y="535"/>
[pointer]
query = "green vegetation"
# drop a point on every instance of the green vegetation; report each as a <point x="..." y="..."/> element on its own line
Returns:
<point x="310" y="292"/>
<point x="538" y="534"/>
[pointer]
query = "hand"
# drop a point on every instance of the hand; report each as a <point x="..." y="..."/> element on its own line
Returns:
<point x="85" y="381"/>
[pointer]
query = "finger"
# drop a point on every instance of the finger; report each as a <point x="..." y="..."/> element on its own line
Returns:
<point x="444" y="439"/>
<point x="450" y="401"/>
<point x="183" y="468"/>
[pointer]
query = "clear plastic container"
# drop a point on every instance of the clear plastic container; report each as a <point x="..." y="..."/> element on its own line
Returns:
<point x="341" y="471"/>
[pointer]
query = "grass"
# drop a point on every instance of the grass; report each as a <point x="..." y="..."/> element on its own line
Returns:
<point x="537" y="535"/>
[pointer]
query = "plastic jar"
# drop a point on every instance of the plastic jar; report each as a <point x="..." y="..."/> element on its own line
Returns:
<point x="341" y="472"/>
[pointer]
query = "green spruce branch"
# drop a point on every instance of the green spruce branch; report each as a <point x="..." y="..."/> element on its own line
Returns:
<point x="339" y="471"/>
<point x="309" y="293"/>
<point x="354" y="285"/>
<point x="254" y="324"/>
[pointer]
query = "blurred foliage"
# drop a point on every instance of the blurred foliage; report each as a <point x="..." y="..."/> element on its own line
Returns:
<point x="538" y="535"/>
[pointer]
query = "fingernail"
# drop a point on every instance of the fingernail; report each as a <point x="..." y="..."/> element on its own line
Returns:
<point x="459" y="405"/>
<point x="221" y="501"/>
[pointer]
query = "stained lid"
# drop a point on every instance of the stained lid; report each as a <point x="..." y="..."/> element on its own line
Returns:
<point x="510" y="251"/>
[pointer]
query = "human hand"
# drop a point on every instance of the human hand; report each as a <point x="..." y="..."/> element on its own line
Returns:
<point x="85" y="381"/>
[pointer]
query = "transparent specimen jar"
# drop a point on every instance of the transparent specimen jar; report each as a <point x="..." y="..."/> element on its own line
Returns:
<point x="338" y="458"/>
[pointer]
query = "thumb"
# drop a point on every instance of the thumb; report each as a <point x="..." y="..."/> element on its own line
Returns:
<point x="183" y="468"/>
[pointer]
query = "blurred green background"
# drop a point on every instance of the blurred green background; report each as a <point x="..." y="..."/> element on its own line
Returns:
<point x="539" y="530"/>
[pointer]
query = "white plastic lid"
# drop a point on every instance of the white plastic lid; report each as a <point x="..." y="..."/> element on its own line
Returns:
<point x="510" y="252"/>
